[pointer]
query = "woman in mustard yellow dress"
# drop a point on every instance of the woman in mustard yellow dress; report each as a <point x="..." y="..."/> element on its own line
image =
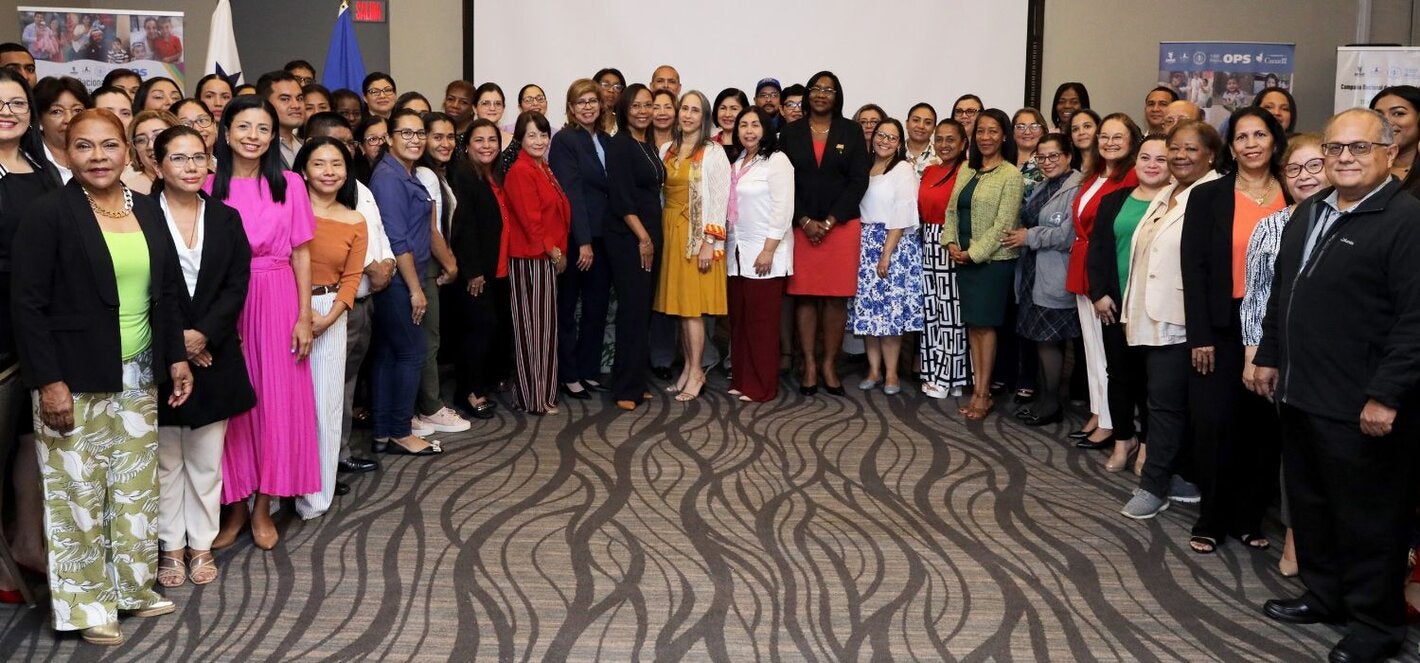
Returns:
<point x="692" y="277"/>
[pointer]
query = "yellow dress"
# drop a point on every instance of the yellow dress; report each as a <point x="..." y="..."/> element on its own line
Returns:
<point x="681" y="289"/>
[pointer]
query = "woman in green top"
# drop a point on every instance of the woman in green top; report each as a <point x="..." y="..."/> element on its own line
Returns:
<point x="1108" y="265"/>
<point x="985" y="205"/>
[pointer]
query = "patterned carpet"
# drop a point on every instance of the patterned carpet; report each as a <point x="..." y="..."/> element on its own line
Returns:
<point x="866" y="528"/>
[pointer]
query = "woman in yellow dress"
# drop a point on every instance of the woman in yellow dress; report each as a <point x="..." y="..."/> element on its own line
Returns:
<point x="696" y="194"/>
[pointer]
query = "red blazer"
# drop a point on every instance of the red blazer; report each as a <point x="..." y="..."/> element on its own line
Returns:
<point x="1077" y="280"/>
<point x="539" y="217"/>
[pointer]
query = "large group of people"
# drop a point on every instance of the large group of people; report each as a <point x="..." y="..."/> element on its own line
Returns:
<point x="204" y="295"/>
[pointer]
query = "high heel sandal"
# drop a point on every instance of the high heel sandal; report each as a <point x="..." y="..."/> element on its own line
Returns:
<point x="692" y="390"/>
<point x="1139" y="459"/>
<point x="1114" y="465"/>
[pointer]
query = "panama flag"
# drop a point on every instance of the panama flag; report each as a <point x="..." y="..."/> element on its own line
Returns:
<point x="344" y="68"/>
<point x="222" y="46"/>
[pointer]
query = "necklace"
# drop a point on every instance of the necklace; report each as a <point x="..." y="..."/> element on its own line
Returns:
<point x="817" y="131"/>
<point x="1247" y="191"/>
<point x="112" y="214"/>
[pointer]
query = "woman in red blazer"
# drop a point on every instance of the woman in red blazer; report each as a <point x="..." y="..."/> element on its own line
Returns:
<point x="539" y="219"/>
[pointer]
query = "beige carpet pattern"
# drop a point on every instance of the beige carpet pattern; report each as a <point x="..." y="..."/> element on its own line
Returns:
<point x="866" y="528"/>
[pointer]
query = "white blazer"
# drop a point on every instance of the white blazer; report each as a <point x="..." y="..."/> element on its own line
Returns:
<point x="1162" y="269"/>
<point x="765" y="200"/>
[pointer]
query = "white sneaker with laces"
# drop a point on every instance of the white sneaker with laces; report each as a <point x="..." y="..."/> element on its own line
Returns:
<point x="445" y="421"/>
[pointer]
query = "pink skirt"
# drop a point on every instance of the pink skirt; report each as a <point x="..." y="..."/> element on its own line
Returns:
<point x="831" y="268"/>
<point x="272" y="448"/>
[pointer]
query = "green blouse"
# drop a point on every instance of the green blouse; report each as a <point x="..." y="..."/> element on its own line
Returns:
<point x="131" y="270"/>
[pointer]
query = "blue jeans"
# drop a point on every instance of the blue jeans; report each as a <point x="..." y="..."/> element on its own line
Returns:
<point x="399" y="346"/>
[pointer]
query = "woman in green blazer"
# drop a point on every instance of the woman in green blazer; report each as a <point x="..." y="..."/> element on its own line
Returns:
<point x="985" y="205"/>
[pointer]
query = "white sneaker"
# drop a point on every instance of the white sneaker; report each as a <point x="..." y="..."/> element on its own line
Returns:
<point x="418" y="428"/>
<point x="445" y="421"/>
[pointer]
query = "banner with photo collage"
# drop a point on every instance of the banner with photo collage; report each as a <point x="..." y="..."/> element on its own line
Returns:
<point x="1223" y="76"/>
<point x="88" y="43"/>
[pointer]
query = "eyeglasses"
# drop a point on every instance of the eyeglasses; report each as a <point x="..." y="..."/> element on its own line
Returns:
<point x="351" y="145"/>
<point x="379" y="91"/>
<point x="1033" y="126"/>
<point x="143" y="140"/>
<point x="886" y="139"/>
<point x="767" y="95"/>
<point x="198" y="159"/>
<point x="57" y="113"/>
<point x="490" y="103"/>
<point x="1313" y="166"/>
<point x="16" y="106"/>
<point x="869" y="122"/>
<point x="411" y="135"/>
<point x="966" y="112"/>
<point x="539" y="99"/>
<point x="794" y="104"/>
<point x="1359" y="148"/>
<point x="1043" y="159"/>
<point x="612" y="86"/>
<point x="1116" y="138"/>
<point x="304" y="80"/>
<point x="826" y="91"/>
<point x="585" y="103"/>
<point x="201" y="122"/>
<point x="375" y="141"/>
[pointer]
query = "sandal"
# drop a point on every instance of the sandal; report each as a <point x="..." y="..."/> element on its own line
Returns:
<point x="172" y="571"/>
<point x="1255" y="541"/>
<point x="1203" y="545"/>
<point x="202" y="567"/>
<point x="979" y="413"/>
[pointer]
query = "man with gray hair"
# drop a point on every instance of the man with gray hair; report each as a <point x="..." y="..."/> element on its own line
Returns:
<point x="1340" y="354"/>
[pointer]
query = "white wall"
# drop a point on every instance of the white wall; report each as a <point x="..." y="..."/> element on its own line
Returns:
<point x="426" y="45"/>
<point x="890" y="52"/>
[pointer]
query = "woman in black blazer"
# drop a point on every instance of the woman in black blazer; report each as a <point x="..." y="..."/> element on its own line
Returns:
<point x="1236" y="442"/>
<point x="831" y="166"/>
<point x="96" y="294"/>
<point x="576" y="159"/>
<point x="215" y="261"/>
<point x="633" y="240"/>
<point x="482" y="338"/>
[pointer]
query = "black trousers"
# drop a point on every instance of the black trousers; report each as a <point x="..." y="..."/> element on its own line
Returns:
<point x="1351" y="499"/>
<point x="1168" y="369"/>
<point x="579" y="337"/>
<point x="481" y="339"/>
<point x="1235" y="444"/>
<point x="1128" y="383"/>
<point x="635" y="288"/>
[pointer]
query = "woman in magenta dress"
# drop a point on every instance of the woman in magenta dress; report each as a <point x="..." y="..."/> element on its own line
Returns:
<point x="271" y="450"/>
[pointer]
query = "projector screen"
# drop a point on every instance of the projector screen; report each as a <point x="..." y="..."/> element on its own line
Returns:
<point x="893" y="53"/>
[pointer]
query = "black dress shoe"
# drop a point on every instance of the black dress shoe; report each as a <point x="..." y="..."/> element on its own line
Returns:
<point x="580" y="395"/>
<point x="1080" y="434"/>
<point x="341" y="488"/>
<point x="835" y="391"/>
<point x="1354" y="650"/>
<point x="594" y="386"/>
<point x="662" y="372"/>
<point x="483" y="410"/>
<point x="353" y="465"/>
<point x="808" y="390"/>
<point x="1033" y="419"/>
<point x="1087" y="443"/>
<point x="1297" y="611"/>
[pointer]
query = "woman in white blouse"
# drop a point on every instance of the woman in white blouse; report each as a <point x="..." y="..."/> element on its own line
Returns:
<point x="889" y="298"/>
<point x="1153" y="315"/>
<point x="759" y="254"/>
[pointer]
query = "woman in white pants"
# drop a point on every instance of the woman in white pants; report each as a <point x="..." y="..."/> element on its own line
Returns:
<point x="215" y="258"/>
<point x="337" y="260"/>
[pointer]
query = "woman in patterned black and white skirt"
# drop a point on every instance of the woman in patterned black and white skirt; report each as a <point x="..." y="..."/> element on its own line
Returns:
<point x="944" y="365"/>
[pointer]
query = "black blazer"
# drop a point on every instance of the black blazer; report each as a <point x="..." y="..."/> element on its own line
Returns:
<point x="583" y="178"/>
<point x="66" y="297"/>
<point x="637" y="174"/>
<point x="1101" y="264"/>
<point x="223" y="389"/>
<point x="476" y="234"/>
<point x="836" y="186"/>
<point x="1206" y="259"/>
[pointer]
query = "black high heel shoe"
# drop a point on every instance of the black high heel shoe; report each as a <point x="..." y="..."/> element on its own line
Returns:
<point x="1087" y="443"/>
<point x="808" y="390"/>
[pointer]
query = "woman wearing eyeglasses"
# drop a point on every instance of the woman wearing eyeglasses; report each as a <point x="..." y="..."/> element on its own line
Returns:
<point x="1111" y="169"/>
<point x="830" y="177"/>
<point x="373" y="135"/>
<point x="577" y="158"/>
<point x="142" y="131"/>
<point x="380" y="93"/>
<point x="58" y="100"/>
<point x="1236" y="443"/>
<point x="610" y="84"/>
<point x="965" y="110"/>
<point x="1028" y="126"/>
<point x="193" y="113"/>
<point x="489" y="104"/>
<point x="215" y="258"/>
<point x="1046" y="315"/>
<point x="868" y="117"/>
<point x="791" y="104"/>
<point x="1305" y="175"/>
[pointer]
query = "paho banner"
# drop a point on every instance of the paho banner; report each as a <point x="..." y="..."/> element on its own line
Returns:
<point x="1362" y="71"/>
<point x="88" y="43"/>
<point x="1223" y="76"/>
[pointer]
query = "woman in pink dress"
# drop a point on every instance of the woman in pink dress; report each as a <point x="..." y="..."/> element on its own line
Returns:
<point x="271" y="450"/>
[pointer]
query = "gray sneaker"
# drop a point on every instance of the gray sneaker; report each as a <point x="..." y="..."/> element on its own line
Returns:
<point x="1144" y="505"/>
<point x="1183" y="491"/>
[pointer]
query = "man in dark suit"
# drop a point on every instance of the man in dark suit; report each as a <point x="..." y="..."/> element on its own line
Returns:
<point x="1341" y="355"/>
